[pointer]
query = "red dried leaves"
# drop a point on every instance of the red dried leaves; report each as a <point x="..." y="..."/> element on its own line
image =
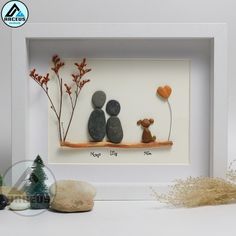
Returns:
<point x="57" y="63"/>
<point x="68" y="89"/>
<point x="77" y="78"/>
<point x="41" y="80"/>
<point x="83" y="82"/>
<point x="82" y="67"/>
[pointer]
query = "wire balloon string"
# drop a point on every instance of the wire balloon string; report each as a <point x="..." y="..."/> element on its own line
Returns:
<point x="170" y="119"/>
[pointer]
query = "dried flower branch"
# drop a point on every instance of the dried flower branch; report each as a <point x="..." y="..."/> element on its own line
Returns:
<point x="58" y="64"/>
<point x="79" y="83"/>
<point x="231" y="173"/>
<point x="68" y="89"/>
<point x="201" y="191"/>
<point x="42" y="82"/>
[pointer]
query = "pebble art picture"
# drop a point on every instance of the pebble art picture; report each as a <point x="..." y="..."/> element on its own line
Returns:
<point x="105" y="109"/>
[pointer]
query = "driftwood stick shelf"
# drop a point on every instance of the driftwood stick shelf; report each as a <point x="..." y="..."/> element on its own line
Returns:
<point x="164" y="144"/>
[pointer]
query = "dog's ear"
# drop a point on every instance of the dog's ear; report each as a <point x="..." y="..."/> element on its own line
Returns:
<point x="151" y="121"/>
<point x="139" y="122"/>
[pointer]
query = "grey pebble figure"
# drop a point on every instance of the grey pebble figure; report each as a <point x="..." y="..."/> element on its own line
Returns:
<point x="114" y="128"/>
<point x="97" y="119"/>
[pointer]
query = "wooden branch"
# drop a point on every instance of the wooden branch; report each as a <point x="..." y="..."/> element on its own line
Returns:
<point x="165" y="144"/>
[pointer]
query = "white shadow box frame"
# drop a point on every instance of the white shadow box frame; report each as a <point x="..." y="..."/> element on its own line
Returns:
<point x="205" y="45"/>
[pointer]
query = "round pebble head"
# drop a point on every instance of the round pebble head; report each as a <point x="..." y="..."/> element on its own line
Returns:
<point x="113" y="108"/>
<point x="98" y="99"/>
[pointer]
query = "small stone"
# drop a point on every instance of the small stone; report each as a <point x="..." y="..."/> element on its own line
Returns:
<point x="19" y="205"/>
<point x="98" y="99"/>
<point x="113" y="108"/>
<point x="72" y="196"/>
<point x="114" y="130"/>
<point x="40" y="201"/>
<point x="97" y="125"/>
<point x="3" y="201"/>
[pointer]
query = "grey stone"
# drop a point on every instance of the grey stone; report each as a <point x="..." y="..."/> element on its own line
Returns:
<point x="97" y="125"/>
<point x="114" y="130"/>
<point x="113" y="108"/>
<point x="98" y="99"/>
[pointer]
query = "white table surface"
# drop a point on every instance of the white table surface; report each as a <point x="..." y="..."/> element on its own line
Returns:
<point x="114" y="218"/>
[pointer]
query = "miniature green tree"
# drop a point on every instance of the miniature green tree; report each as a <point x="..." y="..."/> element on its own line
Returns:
<point x="37" y="179"/>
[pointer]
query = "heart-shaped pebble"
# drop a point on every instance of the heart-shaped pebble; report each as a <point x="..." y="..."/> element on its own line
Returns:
<point x="164" y="92"/>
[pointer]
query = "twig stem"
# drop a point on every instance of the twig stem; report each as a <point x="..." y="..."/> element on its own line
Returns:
<point x="170" y="119"/>
<point x="73" y="105"/>
<point x="52" y="106"/>
<point x="60" y="104"/>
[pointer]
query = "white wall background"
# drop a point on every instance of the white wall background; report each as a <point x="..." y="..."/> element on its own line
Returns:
<point x="205" y="11"/>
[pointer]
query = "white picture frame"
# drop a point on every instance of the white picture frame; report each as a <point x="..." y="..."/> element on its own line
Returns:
<point x="129" y="187"/>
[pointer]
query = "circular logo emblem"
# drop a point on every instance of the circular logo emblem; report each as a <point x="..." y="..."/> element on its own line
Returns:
<point x="14" y="14"/>
<point x="26" y="186"/>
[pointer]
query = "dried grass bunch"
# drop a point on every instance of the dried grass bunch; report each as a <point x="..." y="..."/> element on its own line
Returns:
<point x="194" y="192"/>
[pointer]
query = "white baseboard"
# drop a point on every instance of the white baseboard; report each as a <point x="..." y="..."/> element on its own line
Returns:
<point x="129" y="191"/>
